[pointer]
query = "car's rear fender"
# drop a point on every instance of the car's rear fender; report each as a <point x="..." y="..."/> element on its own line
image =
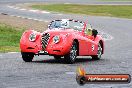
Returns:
<point x="100" y="40"/>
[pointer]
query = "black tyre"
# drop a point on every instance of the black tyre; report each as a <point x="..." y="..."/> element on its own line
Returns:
<point x="81" y="80"/>
<point x="57" y="57"/>
<point x="99" y="53"/>
<point x="71" y="56"/>
<point x="27" y="57"/>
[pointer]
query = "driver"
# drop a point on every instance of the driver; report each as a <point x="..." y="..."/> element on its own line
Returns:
<point x="88" y="30"/>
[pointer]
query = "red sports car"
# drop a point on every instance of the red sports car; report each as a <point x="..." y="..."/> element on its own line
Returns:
<point x="68" y="38"/>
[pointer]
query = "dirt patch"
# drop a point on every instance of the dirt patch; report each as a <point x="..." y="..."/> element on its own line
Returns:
<point x="23" y="23"/>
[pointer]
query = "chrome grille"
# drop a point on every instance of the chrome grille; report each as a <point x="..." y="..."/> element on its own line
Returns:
<point x="45" y="38"/>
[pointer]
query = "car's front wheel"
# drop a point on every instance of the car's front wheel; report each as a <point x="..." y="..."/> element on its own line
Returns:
<point x="27" y="57"/>
<point x="57" y="57"/>
<point x="99" y="53"/>
<point x="71" y="56"/>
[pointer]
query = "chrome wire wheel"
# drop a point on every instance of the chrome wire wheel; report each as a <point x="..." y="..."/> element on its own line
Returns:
<point x="71" y="56"/>
<point x="73" y="52"/>
<point x="99" y="51"/>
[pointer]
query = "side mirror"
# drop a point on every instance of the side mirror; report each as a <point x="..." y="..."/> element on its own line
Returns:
<point x="94" y="32"/>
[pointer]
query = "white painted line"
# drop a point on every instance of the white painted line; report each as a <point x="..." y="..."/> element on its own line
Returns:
<point x="40" y="20"/>
<point x="10" y="6"/>
<point x="23" y="9"/>
<point x="30" y="18"/>
<point x="59" y="14"/>
<point x="16" y="7"/>
<point x="35" y="19"/>
<point x="67" y="3"/>
<point x="46" y="21"/>
<point x="18" y="16"/>
<point x="44" y="12"/>
<point x="13" y="52"/>
<point x="38" y="11"/>
<point x="23" y="17"/>
<point x="70" y="73"/>
<point x="31" y="10"/>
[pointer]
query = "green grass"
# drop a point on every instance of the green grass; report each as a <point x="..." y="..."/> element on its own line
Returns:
<point x="9" y="38"/>
<point x="123" y="11"/>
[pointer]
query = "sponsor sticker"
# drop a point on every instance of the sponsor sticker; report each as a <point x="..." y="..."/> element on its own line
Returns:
<point x="83" y="78"/>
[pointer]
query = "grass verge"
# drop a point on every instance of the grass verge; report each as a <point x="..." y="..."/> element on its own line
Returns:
<point x="123" y="11"/>
<point x="9" y="38"/>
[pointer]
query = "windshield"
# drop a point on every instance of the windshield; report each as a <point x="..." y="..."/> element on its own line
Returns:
<point x="76" y="25"/>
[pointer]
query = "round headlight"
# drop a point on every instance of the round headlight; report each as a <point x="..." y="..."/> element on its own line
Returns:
<point x="32" y="37"/>
<point x="56" y="39"/>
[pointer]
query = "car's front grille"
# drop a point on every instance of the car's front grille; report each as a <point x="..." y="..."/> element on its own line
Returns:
<point x="45" y="38"/>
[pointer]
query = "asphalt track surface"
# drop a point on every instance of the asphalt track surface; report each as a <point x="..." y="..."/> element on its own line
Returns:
<point x="45" y="72"/>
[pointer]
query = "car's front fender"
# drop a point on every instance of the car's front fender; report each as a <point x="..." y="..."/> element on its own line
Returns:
<point x="30" y="46"/>
<point x="61" y="48"/>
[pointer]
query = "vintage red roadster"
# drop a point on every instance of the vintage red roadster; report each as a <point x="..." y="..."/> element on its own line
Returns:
<point x="63" y="38"/>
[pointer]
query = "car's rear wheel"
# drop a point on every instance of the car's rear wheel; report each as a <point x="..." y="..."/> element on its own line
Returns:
<point x="27" y="57"/>
<point x="71" y="56"/>
<point x="99" y="53"/>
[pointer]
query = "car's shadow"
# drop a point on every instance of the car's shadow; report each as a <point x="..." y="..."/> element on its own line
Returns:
<point x="62" y="61"/>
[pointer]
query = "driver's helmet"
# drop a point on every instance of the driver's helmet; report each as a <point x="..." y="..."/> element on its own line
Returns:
<point x="89" y="30"/>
